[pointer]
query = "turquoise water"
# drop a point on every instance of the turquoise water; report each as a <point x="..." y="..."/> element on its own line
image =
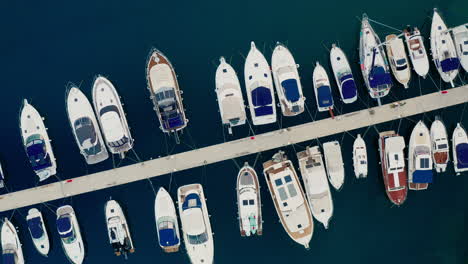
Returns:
<point x="45" y="45"/>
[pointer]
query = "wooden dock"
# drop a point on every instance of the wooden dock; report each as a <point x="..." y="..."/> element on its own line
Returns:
<point x="234" y="149"/>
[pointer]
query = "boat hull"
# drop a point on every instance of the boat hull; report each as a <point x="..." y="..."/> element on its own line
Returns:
<point x="9" y="237"/>
<point x="249" y="204"/>
<point x="417" y="52"/>
<point x="419" y="151"/>
<point x="460" y="149"/>
<point x="341" y="69"/>
<point x="440" y="145"/>
<point x="360" y="157"/>
<point x="164" y="212"/>
<point x="334" y="164"/>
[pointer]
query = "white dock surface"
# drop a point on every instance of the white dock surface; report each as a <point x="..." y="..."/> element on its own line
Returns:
<point x="233" y="149"/>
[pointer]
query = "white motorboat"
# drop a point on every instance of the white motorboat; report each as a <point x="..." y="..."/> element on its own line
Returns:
<point x="289" y="199"/>
<point x="38" y="231"/>
<point x="419" y="158"/>
<point x="249" y="203"/>
<point x="417" y="51"/>
<point x="36" y="142"/>
<point x="70" y="235"/>
<point x="443" y="50"/>
<point x="398" y="60"/>
<point x="259" y="87"/>
<point x="374" y="65"/>
<point x="111" y="117"/>
<point x="118" y="230"/>
<point x="460" y="36"/>
<point x="85" y="127"/>
<point x="440" y="145"/>
<point x="229" y="95"/>
<point x="316" y="186"/>
<point x="166" y="222"/>
<point x="334" y="164"/>
<point x="196" y="225"/>
<point x="460" y="149"/>
<point x="2" y="177"/>
<point x="343" y="75"/>
<point x="360" y="157"/>
<point x="12" y="253"/>
<point x="287" y="81"/>
<point x="323" y="93"/>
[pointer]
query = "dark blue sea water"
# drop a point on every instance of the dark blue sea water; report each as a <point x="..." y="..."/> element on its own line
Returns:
<point x="46" y="44"/>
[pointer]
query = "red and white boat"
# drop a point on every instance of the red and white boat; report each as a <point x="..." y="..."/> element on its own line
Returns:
<point x="392" y="159"/>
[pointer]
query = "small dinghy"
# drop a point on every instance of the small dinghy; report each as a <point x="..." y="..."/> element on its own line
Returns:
<point x="460" y="149"/>
<point x="460" y="36"/>
<point x="118" y="230"/>
<point x="259" y="87"/>
<point x="316" y="186"/>
<point x="417" y="51"/>
<point x="229" y="95"/>
<point x="85" y="127"/>
<point x="38" y="231"/>
<point x="249" y="204"/>
<point x="2" y="177"/>
<point x="11" y="245"/>
<point x="196" y="226"/>
<point x="440" y="145"/>
<point x="166" y="222"/>
<point x="443" y="50"/>
<point x="334" y="164"/>
<point x="343" y="75"/>
<point x="287" y="81"/>
<point x="419" y="158"/>
<point x="398" y="59"/>
<point x="70" y="235"/>
<point x="111" y="117"/>
<point x="323" y="93"/>
<point x="36" y="142"/>
<point x="360" y="157"/>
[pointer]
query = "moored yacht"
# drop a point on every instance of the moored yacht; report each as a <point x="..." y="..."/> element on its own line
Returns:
<point x="289" y="199"/>
<point x="196" y="225"/>
<point x="419" y="158"/>
<point x="334" y="164"/>
<point x="443" y="50"/>
<point x="374" y="65"/>
<point x="249" y="204"/>
<point x="118" y="230"/>
<point x="38" y="231"/>
<point x="360" y="157"/>
<point x="323" y="93"/>
<point x="165" y="93"/>
<point x="460" y="36"/>
<point x="167" y="225"/>
<point x="12" y="253"/>
<point x="440" y="145"/>
<point x="287" y="81"/>
<point x="398" y="60"/>
<point x="343" y="75"/>
<point x="36" y="142"/>
<point x="70" y="235"/>
<point x="111" y="117"/>
<point x="392" y="160"/>
<point x="417" y="51"/>
<point x="460" y="149"/>
<point x="259" y="87"/>
<point x="229" y="94"/>
<point x="316" y="184"/>
<point x="85" y="127"/>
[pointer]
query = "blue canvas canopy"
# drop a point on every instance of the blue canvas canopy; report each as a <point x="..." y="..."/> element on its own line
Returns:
<point x="261" y="96"/>
<point x="324" y="96"/>
<point x="174" y="122"/>
<point x="35" y="227"/>
<point x="422" y="176"/>
<point x="348" y="87"/>
<point x="64" y="226"/>
<point x="450" y="64"/>
<point x="191" y="201"/>
<point x="462" y="155"/>
<point x="291" y="90"/>
<point x="168" y="237"/>
<point x="378" y="76"/>
<point x="8" y="258"/>
<point x="38" y="155"/>
<point x="263" y="110"/>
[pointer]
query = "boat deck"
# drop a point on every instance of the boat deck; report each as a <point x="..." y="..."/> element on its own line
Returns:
<point x="233" y="149"/>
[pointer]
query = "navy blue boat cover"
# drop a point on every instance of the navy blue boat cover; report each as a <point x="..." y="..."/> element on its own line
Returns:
<point x="261" y="96"/>
<point x="38" y="156"/>
<point x="422" y="176"/>
<point x="324" y="96"/>
<point x="64" y="226"/>
<point x="291" y="90"/>
<point x="348" y="87"/>
<point x="263" y="110"/>
<point x="450" y="64"/>
<point x="190" y="198"/>
<point x="168" y="237"/>
<point x="9" y="258"/>
<point x="462" y="155"/>
<point x="379" y="77"/>
<point x="35" y="227"/>
<point x="173" y="122"/>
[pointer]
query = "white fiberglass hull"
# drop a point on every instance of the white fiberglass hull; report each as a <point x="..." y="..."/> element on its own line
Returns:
<point x="460" y="36"/>
<point x="164" y="210"/>
<point x="10" y="242"/>
<point x="440" y="145"/>
<point x="417" y="52"/>
<point x="75" y="250"/>
<point x="249" y="202"/>
<point x="115" y="219"/>
<point x="42" y="244"/>
<point x="324" y="98"/>
<point x="334" y="164"/>
<point x="341" y="67"/>
<point x="420" y="141"/>
<point x="459" y="139"/>
<point x="399" y="62"/>
<point x="360" y="157"/>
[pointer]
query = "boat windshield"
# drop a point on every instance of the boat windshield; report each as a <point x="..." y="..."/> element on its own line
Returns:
<point x="37" y="153"/>
<point x="198" y="239"/>
<point x="69" y="238"/>
<point x="442" y="146"/>
<point x="396" y="188"/>
<point x="86" y="135"/>
<point x="401" y="62"/>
